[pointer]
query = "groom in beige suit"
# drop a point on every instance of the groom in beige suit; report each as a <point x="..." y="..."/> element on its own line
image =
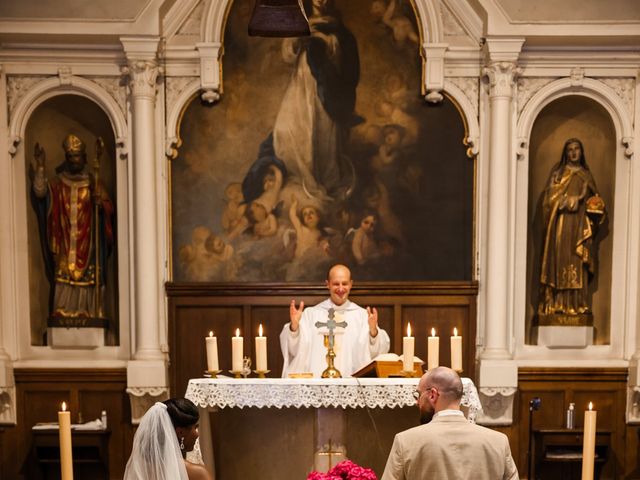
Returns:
<point x="447" y="446"/>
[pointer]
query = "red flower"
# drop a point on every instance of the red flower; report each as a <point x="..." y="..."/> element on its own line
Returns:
<point x="345" y="470"/>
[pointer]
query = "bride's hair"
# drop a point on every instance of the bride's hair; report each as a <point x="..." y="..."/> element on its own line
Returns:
<point x="183" y="412"/>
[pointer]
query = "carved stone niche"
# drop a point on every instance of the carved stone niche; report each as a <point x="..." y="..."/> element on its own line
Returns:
<point x="65" y="310"/>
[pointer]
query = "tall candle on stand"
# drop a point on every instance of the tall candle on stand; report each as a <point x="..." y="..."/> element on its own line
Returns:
<point x="66" y="459"/>
<point x="456" y="351"/>
<point x="212" y="353"/>
<point x="433" y="350"/>
<point x="261" y="351"/>
<point x="589" y="443"/>
<point x="236" y="352"/>
<point x="408" y="346"/>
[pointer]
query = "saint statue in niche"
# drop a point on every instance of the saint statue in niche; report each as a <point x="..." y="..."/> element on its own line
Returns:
<point x="572" y="212"/>
<point x="75" y="220"/>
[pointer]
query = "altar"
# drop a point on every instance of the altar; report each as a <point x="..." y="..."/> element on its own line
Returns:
<point x="255" y="421"/>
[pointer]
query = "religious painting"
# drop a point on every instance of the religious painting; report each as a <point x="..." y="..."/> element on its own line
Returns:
<point x="323" y="150"/>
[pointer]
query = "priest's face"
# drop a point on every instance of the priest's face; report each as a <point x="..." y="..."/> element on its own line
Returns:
<point x="339" y="284"/>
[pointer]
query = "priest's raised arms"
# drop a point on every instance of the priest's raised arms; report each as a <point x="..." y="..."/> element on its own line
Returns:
<point x="358" y="338"/>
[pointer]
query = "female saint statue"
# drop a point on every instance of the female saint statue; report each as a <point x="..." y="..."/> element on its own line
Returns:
<point x="572" y="212"/>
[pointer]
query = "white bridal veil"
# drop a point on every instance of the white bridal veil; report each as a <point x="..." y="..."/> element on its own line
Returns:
<point x="156" y="454"/>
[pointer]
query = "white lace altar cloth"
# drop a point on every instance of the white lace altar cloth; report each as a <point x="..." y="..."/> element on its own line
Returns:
<point x="315" y="392"/>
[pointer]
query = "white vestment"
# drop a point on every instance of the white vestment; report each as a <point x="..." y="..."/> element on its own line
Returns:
<point x="304" y="350"/>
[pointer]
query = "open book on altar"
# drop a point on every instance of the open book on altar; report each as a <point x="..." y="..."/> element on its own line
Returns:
<point x="389" y="365"/>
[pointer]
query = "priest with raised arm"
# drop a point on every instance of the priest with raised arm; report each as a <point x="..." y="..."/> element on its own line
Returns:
<point x="356" y="344"/>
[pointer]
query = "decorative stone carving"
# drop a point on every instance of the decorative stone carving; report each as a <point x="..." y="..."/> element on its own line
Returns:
<point x="171" y="148"/>
<point x="633" y="405"/>
<point x="627" y="142"/>
<point x="174" y="86"/>
<point x="142" y="398"/>
<point x="142" y="75"/>
<point x="115" y="88"/>
<point x="470" y="87"/>
<point x="625" y="89"/>
<point x="17" y="87"/>
<point x="7" y="405"/>
<point x="65" y="75"/>
<point x="502" y="76"/>
<point x="577" y="76"/>
<point x="528" y="86"/>
<point x="522" y="147"/>
<point x="497" y="406"/>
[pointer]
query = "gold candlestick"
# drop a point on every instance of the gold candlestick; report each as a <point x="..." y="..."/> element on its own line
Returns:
<point x="261" y="373"/>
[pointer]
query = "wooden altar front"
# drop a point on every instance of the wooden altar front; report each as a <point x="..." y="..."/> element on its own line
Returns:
<point x="285" y="428"/>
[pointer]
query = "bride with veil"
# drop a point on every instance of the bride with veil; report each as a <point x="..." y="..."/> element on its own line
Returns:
<point x="166" y="433"/>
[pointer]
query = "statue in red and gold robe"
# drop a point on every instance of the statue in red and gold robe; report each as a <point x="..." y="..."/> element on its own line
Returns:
<point x="72" y="240"/>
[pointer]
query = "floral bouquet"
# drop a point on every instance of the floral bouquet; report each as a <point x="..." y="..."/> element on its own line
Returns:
<point x="345" y="470"/>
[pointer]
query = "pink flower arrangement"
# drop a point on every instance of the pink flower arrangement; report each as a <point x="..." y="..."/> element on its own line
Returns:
<point x="345" y="470"/>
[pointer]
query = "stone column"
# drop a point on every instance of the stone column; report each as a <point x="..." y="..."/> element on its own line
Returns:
<point x="7" y="269"/>
<point x="146" y="373"/>
<point x="498" y="371"/>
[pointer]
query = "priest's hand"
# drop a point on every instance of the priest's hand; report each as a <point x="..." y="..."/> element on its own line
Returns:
<point x="372" y="317"/>
<point x="294" y="315"/>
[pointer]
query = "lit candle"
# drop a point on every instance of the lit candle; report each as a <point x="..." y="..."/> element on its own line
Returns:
<point x="261" y="351"/>
<point x="433" y="350"/>
<point x="212" y="353"/>
<point x="236" y="352"/>
<point x="66" y="460"/>
<point x="589" y="443"/>
<point x="408" y="345"/>
<point x="456" y="351"/>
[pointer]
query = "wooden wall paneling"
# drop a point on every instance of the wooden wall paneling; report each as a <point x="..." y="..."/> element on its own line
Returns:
<point x="39" y="393"/>
<point x="187" y="345"/>
<point x="196" y="309"/>
<point x="272" y="318"/>
<point x="557" y="387"/>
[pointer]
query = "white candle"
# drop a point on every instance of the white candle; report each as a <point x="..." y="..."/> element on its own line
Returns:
<point x="433" y="350"/>
<point x="212" y="353"/>
<point x="236" y="352"/>
<point x="261" y="351"/>
<point x="408" y="345"/>
<point x="456" y="351"/>
<point x="589" y="443"/>
<point x="66" y="459"/>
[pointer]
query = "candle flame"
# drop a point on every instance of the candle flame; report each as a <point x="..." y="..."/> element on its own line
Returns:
<point x="237" y="332"/>
<point x="260" y="330"/>
<point x="211" y="333"/>
<point x="455" y="332"/>
<point x="64" y="406"/>
<point x="408" y="329"/>
<point x="433" y="332"/>
<point x="590" y="405"/>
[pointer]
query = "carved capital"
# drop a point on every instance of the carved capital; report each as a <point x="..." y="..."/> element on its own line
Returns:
<point x="502" y="77"/>
<point x="142" y="76"/>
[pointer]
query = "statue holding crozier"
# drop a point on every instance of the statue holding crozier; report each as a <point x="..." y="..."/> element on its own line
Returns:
<point x="572" y="212"/>
<point x="334" y="338"/>
<point x="75" y="221"/>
